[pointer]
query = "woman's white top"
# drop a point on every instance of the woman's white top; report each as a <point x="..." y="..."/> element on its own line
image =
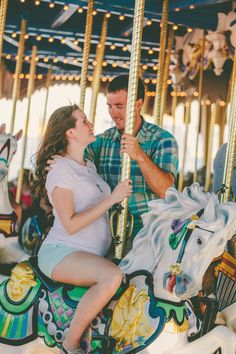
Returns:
<point x="88" y="189"/>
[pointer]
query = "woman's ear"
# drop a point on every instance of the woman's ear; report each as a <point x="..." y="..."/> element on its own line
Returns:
<point x="69" y="133"/>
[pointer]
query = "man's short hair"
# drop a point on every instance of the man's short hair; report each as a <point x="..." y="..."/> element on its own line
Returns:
<point x="121" y="83"/>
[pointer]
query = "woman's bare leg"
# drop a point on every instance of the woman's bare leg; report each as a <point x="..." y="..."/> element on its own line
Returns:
<point x="103" y="278"/>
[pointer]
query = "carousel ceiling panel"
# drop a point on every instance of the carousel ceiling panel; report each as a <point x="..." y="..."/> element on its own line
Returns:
<point x="57" y="28"/>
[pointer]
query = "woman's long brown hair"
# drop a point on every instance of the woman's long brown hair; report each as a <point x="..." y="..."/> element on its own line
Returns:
<point x="54" y="143"/>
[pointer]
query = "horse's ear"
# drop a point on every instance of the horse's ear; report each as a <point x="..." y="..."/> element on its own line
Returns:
<point x="210" y="209"/>
<point x="2" y="128"/>
<point x="18" y="135"/>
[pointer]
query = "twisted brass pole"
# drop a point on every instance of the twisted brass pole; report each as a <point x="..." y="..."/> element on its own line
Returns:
<point x="98" y="69"/>
<point x="3" y="15"/>
<point x="166" y="73"/>
<point x="160" y="71"/>
<point x="200" y="86"/>
<point x="187" y="121"/>
<point x="16" y="84"/>
<point x="173" y="108"/>
<point x="30" y="89"/>
<point x="231" y="145"/>
<point x="48" y="83"/>
<point x="130" y="115"/>
<point x="86" y="52"/>
<point x="210" y="142"/>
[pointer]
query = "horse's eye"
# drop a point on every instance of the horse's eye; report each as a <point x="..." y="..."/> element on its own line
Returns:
<point x="199" y="241"/>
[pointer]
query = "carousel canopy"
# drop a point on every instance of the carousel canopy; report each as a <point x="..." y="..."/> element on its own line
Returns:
<point x="58" y="29"/>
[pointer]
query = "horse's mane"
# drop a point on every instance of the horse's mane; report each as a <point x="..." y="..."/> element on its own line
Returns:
<point x="147" y="245"/>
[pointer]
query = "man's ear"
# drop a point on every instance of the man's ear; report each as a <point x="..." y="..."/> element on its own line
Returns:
<point x="139" y="104"/>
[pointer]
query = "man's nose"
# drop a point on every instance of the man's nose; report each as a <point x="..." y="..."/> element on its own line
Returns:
<point x="113" y="112"/>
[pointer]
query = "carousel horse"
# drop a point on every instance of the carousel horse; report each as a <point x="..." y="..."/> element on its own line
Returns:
<point x="16" y="241"/>
<point x="10" y="250"/>
<point x="148" y="314"/>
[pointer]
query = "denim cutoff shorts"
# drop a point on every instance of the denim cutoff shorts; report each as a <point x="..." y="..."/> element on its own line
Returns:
<point x="50" y="255"/>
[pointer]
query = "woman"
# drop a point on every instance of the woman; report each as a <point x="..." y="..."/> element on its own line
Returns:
<point x="79" y="238"/>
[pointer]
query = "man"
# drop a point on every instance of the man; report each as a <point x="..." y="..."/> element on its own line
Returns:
<point x="154" y="151"/>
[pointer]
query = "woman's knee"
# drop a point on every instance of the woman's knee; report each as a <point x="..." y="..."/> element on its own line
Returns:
<point x="114" y="277"/>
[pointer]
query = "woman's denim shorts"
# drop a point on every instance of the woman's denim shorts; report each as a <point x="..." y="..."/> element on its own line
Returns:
<point x="50" y="255"/>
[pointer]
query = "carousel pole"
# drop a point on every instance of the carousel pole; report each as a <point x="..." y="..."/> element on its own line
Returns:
<point x="30" y="89"/>
<point x="98" y="69"/>
<point x="48" y="84"/>
<point x="209" y="147"/>
<point x="187" y="121"/>
<point x="231" y="145"/>
<point x="160" y="71"/>
<point x="173" y="107"/>
<point x="166" y="73"/>
<point x="3" y="15"/>
<point x="130" y="117"/>
<point x="16" y="84"/>
<point x="86" y="52"/>
<point x="200" y="86"/>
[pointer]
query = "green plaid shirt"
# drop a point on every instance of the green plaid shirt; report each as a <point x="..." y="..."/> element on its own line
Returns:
<point x="157" y="143"/>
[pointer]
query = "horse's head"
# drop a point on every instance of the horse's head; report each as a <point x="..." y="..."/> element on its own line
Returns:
<point x="8" y="145"/>
<point x="181" y="236"/>
<point x="203" y="238"/>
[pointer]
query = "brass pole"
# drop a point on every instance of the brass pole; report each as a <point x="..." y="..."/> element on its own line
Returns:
<point x="209" y="150"/>
<point x="200" y="86"/>
<point x="48" y="83"/>
<point x="98" y="69"/>
<point x="231" y="145"/>
<point x="187" y="121"/>
<point x="173" y="108"/>
<point x="130" y="115"/>
<point x="160" y="71"/>
<point x="86" y="52"/>
<point x="166" y="73"/>
<point x="30" y="89"/>
<point x="3" y="15"/>
<point x="16" y="84"/>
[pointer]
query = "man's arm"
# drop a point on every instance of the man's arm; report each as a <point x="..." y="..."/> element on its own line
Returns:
<point x="157" y="178"/>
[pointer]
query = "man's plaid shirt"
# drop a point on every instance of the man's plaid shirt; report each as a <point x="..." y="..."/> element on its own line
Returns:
<point x="157" y="143"/>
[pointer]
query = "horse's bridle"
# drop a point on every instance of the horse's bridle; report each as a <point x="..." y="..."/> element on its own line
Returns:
<point x="6" y="145"/>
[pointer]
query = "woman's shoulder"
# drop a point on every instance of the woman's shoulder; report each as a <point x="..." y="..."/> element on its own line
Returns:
<point x="61" y="165"/>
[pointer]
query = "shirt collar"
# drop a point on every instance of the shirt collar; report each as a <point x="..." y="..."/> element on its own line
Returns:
<point x="140" y="136"/>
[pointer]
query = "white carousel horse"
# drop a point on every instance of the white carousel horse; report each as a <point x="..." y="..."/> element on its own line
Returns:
<point x="180" y="237"/>
<point x="151" y="251"/>
<point x="10" y="250"/>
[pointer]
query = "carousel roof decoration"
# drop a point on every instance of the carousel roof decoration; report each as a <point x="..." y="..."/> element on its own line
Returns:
<point x="58" y="28"/>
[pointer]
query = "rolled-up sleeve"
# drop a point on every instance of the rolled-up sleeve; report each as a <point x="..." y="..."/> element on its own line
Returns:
<point x="165" y="155"/>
